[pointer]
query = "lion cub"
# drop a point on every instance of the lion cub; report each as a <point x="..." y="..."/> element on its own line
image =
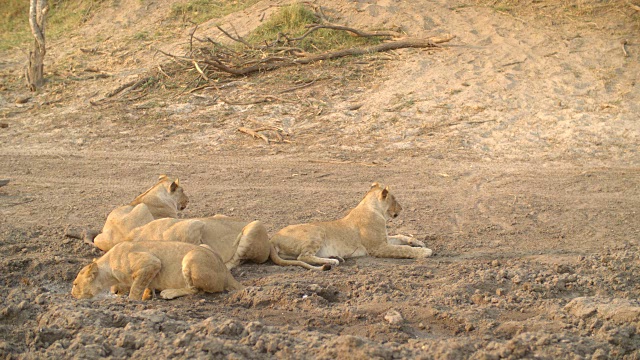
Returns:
<point x="175" y="268"/>
<point x="362" y="232"/>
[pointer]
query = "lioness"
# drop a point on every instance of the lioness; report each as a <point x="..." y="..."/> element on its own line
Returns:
<point x="362" y="232"/>
<point x="175" y="268"/>
<point x="236" y="241"/>
<point x="162" y="200"/>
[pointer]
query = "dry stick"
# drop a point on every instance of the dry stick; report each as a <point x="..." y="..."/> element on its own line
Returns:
<point x="400" y="44"/>
<point x="297" y="87"/>
<point x="120" y="88"/>
<point x="356" y="32"/>
<point x="191" y="39"/>
<point x="623" y="43"/>
<point x="342" y="162"/>
<point x="132" y="85"/>
<point x="195" y="63"/>
<point x="238" y="39"/>
<point x="163" y="73"/>
<point x="253" y="134"/>
<point x="265" y="99"/>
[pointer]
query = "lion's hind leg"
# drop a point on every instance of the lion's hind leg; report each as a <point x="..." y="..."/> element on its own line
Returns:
<point x="400" y="252"/>
<point x="144" y="267"/>
<point x="252" y="244"/>
<point x="202" y="269"/>
<point x="405" y="240"/>
<point x="311" y="258"/>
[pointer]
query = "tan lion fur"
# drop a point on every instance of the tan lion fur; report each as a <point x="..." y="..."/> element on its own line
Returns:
<point x="174" y="268"/>
<point x="162" y="200"/>
<point x="362" y="232"/>
<point x="235" y="240"/>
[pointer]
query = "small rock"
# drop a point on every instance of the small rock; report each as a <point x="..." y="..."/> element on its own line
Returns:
<point x="393" y="317"/>
<point x="421" y="326"/>
<point x="477" y="299"/>
<point x="495" y="263"/>
<point x="500" y="291"/>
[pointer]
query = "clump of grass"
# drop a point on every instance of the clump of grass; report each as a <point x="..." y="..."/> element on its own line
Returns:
<point x="62" y="17"/>
<point x="199" y="11"/>
<point x="292" y="20"/>
<point x="14" y="23"/>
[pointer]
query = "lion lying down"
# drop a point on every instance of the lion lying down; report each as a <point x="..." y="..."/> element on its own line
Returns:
<point x="163" y="200"/>
<point x="362" y="232"/>
<point x="175" y="268"/>
<point x="236" y="241"/>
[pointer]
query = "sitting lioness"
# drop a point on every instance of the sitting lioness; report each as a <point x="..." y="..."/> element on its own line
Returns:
<point x="175" y="268"/>
<point x="362" y="232"/>
<point x="163" y="200"/>
<point x="236" y="241"/>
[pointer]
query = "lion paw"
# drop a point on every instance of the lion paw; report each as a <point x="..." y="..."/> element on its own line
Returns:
<point x="169" y="294"/>
<point x="424" y="253"/>
<point x="416" y="243"/>
<point x="333" y="262"/>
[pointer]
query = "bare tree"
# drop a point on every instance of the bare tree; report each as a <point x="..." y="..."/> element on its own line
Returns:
<point x="35" y="68"/>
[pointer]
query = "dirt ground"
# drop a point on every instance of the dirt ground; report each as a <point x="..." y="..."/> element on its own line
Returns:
<point x="513" y="150"/>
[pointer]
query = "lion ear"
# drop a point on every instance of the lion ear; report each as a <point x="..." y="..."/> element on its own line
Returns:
<point x="384" y="193"/>
<point x="162" y="177"/>
<point x="375" y="184"/>
<point x="174" y="185"/>
<point x="92" y="272"/>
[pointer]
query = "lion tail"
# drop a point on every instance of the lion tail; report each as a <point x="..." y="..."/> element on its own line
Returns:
<point x="273" y="255"/>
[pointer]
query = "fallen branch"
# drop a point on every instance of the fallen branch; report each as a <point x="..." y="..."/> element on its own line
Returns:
<point x="356" y="32"/>
<point x="393" y="45"/>
<point x="254" y="134"/>
<point x="268" y="98"/>
<point x="298" y="87"/>
<point x="343" y="162"/>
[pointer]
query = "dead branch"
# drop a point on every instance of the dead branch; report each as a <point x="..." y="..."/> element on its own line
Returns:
<point x="624" y="50"/>
<point x="268" y="66"/>
<point x="195" y="63"/>
<point x="298" y="87"/>
<point x="268" y="98"/>
<point x="237" y="39"/>
<point x="131" y="85"/>
<point x="356" y="32"/>
<point x="343" y="162"/>
<point x="253" y="134"/>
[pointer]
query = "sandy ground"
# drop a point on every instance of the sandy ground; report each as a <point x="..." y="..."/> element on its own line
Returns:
<point x="513" y="150"/>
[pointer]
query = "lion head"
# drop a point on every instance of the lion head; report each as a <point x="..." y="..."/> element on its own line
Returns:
<point x="386" y="200"/>
<point x="165" y="193"/>
<point x="85" y="285"/>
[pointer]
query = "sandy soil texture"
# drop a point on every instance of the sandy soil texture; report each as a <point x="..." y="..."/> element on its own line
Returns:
<point x="513" y="151"/>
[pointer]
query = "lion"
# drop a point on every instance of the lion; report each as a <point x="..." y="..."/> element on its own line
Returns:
<point x="163" y="200"/>
<point x="235" y="240"/>
<point x="175" y="268"/>
<point x="362" y="232"/>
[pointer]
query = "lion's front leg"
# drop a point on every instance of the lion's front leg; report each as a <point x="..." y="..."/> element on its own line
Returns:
<point x="400" y="252"/>
<point x="405" y="240"/>
<point x="144" y="267"/>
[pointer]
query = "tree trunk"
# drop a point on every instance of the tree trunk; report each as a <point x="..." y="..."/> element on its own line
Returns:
<point x="35" y="68"/>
